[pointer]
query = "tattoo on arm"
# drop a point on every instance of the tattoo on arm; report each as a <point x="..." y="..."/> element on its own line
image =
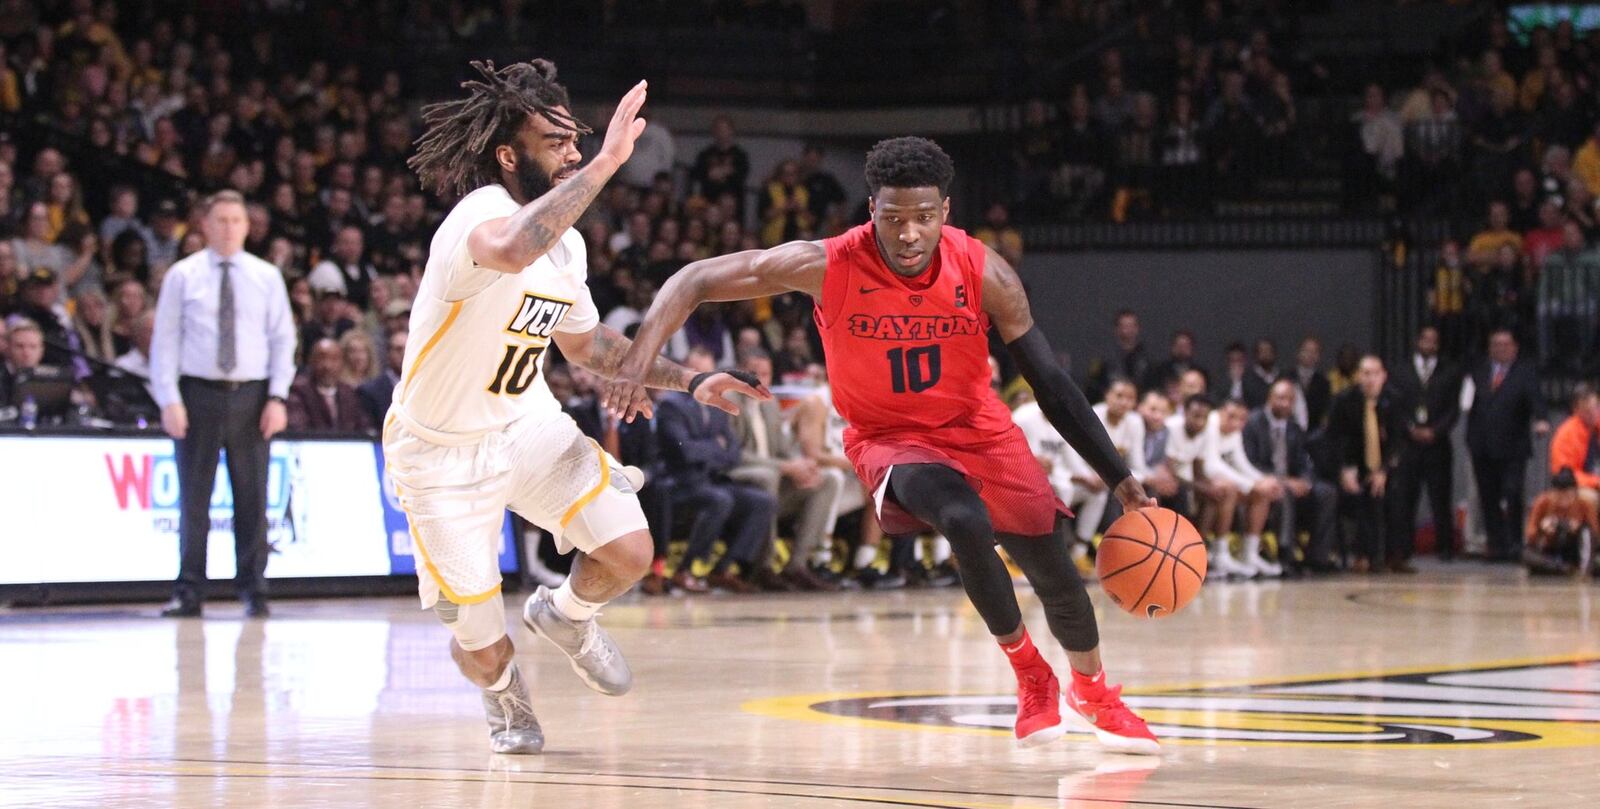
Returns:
<point x="537" y="226"/>
<point x="610" y="346"/>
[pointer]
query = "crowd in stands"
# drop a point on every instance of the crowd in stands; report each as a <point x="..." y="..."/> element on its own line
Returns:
<point x="1258" y="451"/>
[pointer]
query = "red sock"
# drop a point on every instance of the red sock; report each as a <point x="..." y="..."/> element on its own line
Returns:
<point x="1088" y="686"/>
<point x="1023" y="654"/>
<point x="659" y="567"/>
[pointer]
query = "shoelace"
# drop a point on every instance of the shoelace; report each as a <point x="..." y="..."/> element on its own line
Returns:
<point x="1036" y="694"/>
<point x="514" y="707"/>
<point x="1111" y="710"/>
<point x="594" y="644"/>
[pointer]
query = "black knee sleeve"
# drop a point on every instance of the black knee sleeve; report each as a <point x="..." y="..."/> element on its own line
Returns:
<point x="1048" y="565"/>
<point x="941" y="497"/>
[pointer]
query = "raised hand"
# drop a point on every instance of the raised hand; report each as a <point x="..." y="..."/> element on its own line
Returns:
<point x="626" y="125"/>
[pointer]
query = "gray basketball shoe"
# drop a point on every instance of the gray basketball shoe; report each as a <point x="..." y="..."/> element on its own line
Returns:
<point x="512" y="726"/>
<point x="595" y="656"/>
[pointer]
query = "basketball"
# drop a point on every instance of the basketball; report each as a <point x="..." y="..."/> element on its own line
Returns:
<point x="1151" y="562"/>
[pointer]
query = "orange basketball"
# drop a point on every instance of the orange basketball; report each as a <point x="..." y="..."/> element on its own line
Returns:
<point x="1151" y="562"/>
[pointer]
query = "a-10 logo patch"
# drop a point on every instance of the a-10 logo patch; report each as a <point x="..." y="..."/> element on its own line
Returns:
<point x="538" y="316"/>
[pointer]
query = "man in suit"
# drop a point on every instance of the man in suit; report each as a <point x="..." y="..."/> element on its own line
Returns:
<point x="1126" y="358"/>
<point x="700" y="448"/>
<point x="1180" y="358"/>
<point x="769" y="457"/>
<point x="1370" y="424"/>
<point x="1431" y="387"/>
<point x="1230" y="383"/>
<point x="1505" y="398"/>
<point x="1275" y="444"/>
<point x="1262" y="373"/>
<point x="1315" y="394"/>
<point x="319" y="401"/>
<point x="376" y="393"/>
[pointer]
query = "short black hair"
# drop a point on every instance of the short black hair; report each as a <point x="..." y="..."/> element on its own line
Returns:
<point x="909" y="163"/>
<point x="1199" y="399"/>
<point x="1122" y="379"/>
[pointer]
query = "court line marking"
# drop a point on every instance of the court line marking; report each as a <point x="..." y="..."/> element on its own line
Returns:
<point x="228" y="769"/>
<point x="662" y="777"/>
<point x="798" y="707"/>
<point x="1363" y="598"/>
<point x="1587" y="655"/>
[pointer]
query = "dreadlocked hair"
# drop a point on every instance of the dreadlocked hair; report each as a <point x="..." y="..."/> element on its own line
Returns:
<point x="456" y="152"/>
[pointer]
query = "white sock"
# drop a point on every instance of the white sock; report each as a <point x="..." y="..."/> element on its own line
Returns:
<point x="941" y="550"/>
<point x="823" y="557"/>
<point x="570" y="605"/>
<point x="505" y="678"/>
<point x="1252" y="544"/>
<point x="866" y="555"/>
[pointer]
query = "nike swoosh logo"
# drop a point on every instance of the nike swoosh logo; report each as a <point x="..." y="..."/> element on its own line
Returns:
<point x="1012" y="649"/>
<point x="870" y="290"/>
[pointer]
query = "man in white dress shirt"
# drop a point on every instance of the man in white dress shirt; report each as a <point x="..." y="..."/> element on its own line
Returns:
<point x="224" y="350"/>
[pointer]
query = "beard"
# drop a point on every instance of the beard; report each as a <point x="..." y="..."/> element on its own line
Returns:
<point x="534" y="181"/>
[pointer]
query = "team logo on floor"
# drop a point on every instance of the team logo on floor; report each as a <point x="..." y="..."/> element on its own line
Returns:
<point x="1552" y="703"/>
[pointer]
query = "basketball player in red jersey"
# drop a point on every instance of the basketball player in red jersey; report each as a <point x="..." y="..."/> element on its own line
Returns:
<point x="904" y="305"/>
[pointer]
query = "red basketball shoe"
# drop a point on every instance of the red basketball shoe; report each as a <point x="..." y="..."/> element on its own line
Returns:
<point x="1118" y="727"/>
<point x="1038" y="706"/>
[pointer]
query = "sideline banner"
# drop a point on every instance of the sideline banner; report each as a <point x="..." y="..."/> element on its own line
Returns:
<point x="105" y="509"/>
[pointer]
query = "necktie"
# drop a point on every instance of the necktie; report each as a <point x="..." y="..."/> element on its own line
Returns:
<point x="1499" y="376"/>
<point x="1374" y="452"/>
<point x="227" y="346"/>
<point x="1280" y="451"/>
<point x="758" y="428"/>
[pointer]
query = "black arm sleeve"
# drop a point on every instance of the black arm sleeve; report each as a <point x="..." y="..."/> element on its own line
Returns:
<point x="1066" y="407"/>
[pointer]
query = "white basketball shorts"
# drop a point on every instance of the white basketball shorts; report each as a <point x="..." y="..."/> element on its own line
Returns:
<point x="543" y="468"/>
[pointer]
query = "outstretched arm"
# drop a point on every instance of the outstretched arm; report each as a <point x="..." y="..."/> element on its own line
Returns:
<point x="1063" y="403"/>
<point x="511" y="243"/>
<point x="602" y="348"/>
<point x="792" y="267"/>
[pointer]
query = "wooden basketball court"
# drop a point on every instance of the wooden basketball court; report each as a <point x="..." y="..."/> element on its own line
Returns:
<point x="1463" y="687"/>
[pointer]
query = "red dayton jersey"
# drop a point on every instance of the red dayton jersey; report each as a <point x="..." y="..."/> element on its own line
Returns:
<point x="908" y="364"/>
<point x="908" y="355"/>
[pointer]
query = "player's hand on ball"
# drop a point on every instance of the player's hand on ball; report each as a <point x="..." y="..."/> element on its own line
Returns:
<point x="1131" y="494"/>
<point x="716" y="390"/>
<point x="626" y="125"/>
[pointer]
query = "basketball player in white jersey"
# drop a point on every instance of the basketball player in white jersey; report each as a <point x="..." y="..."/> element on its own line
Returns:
<point x="473" y="429"/>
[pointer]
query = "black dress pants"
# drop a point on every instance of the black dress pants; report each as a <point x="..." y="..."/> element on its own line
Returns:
<point x="222" y="416"/>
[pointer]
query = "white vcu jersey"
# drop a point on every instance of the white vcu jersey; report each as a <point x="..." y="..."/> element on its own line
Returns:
<point x="478" y="336"/>
<point x="473" y="429"/>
